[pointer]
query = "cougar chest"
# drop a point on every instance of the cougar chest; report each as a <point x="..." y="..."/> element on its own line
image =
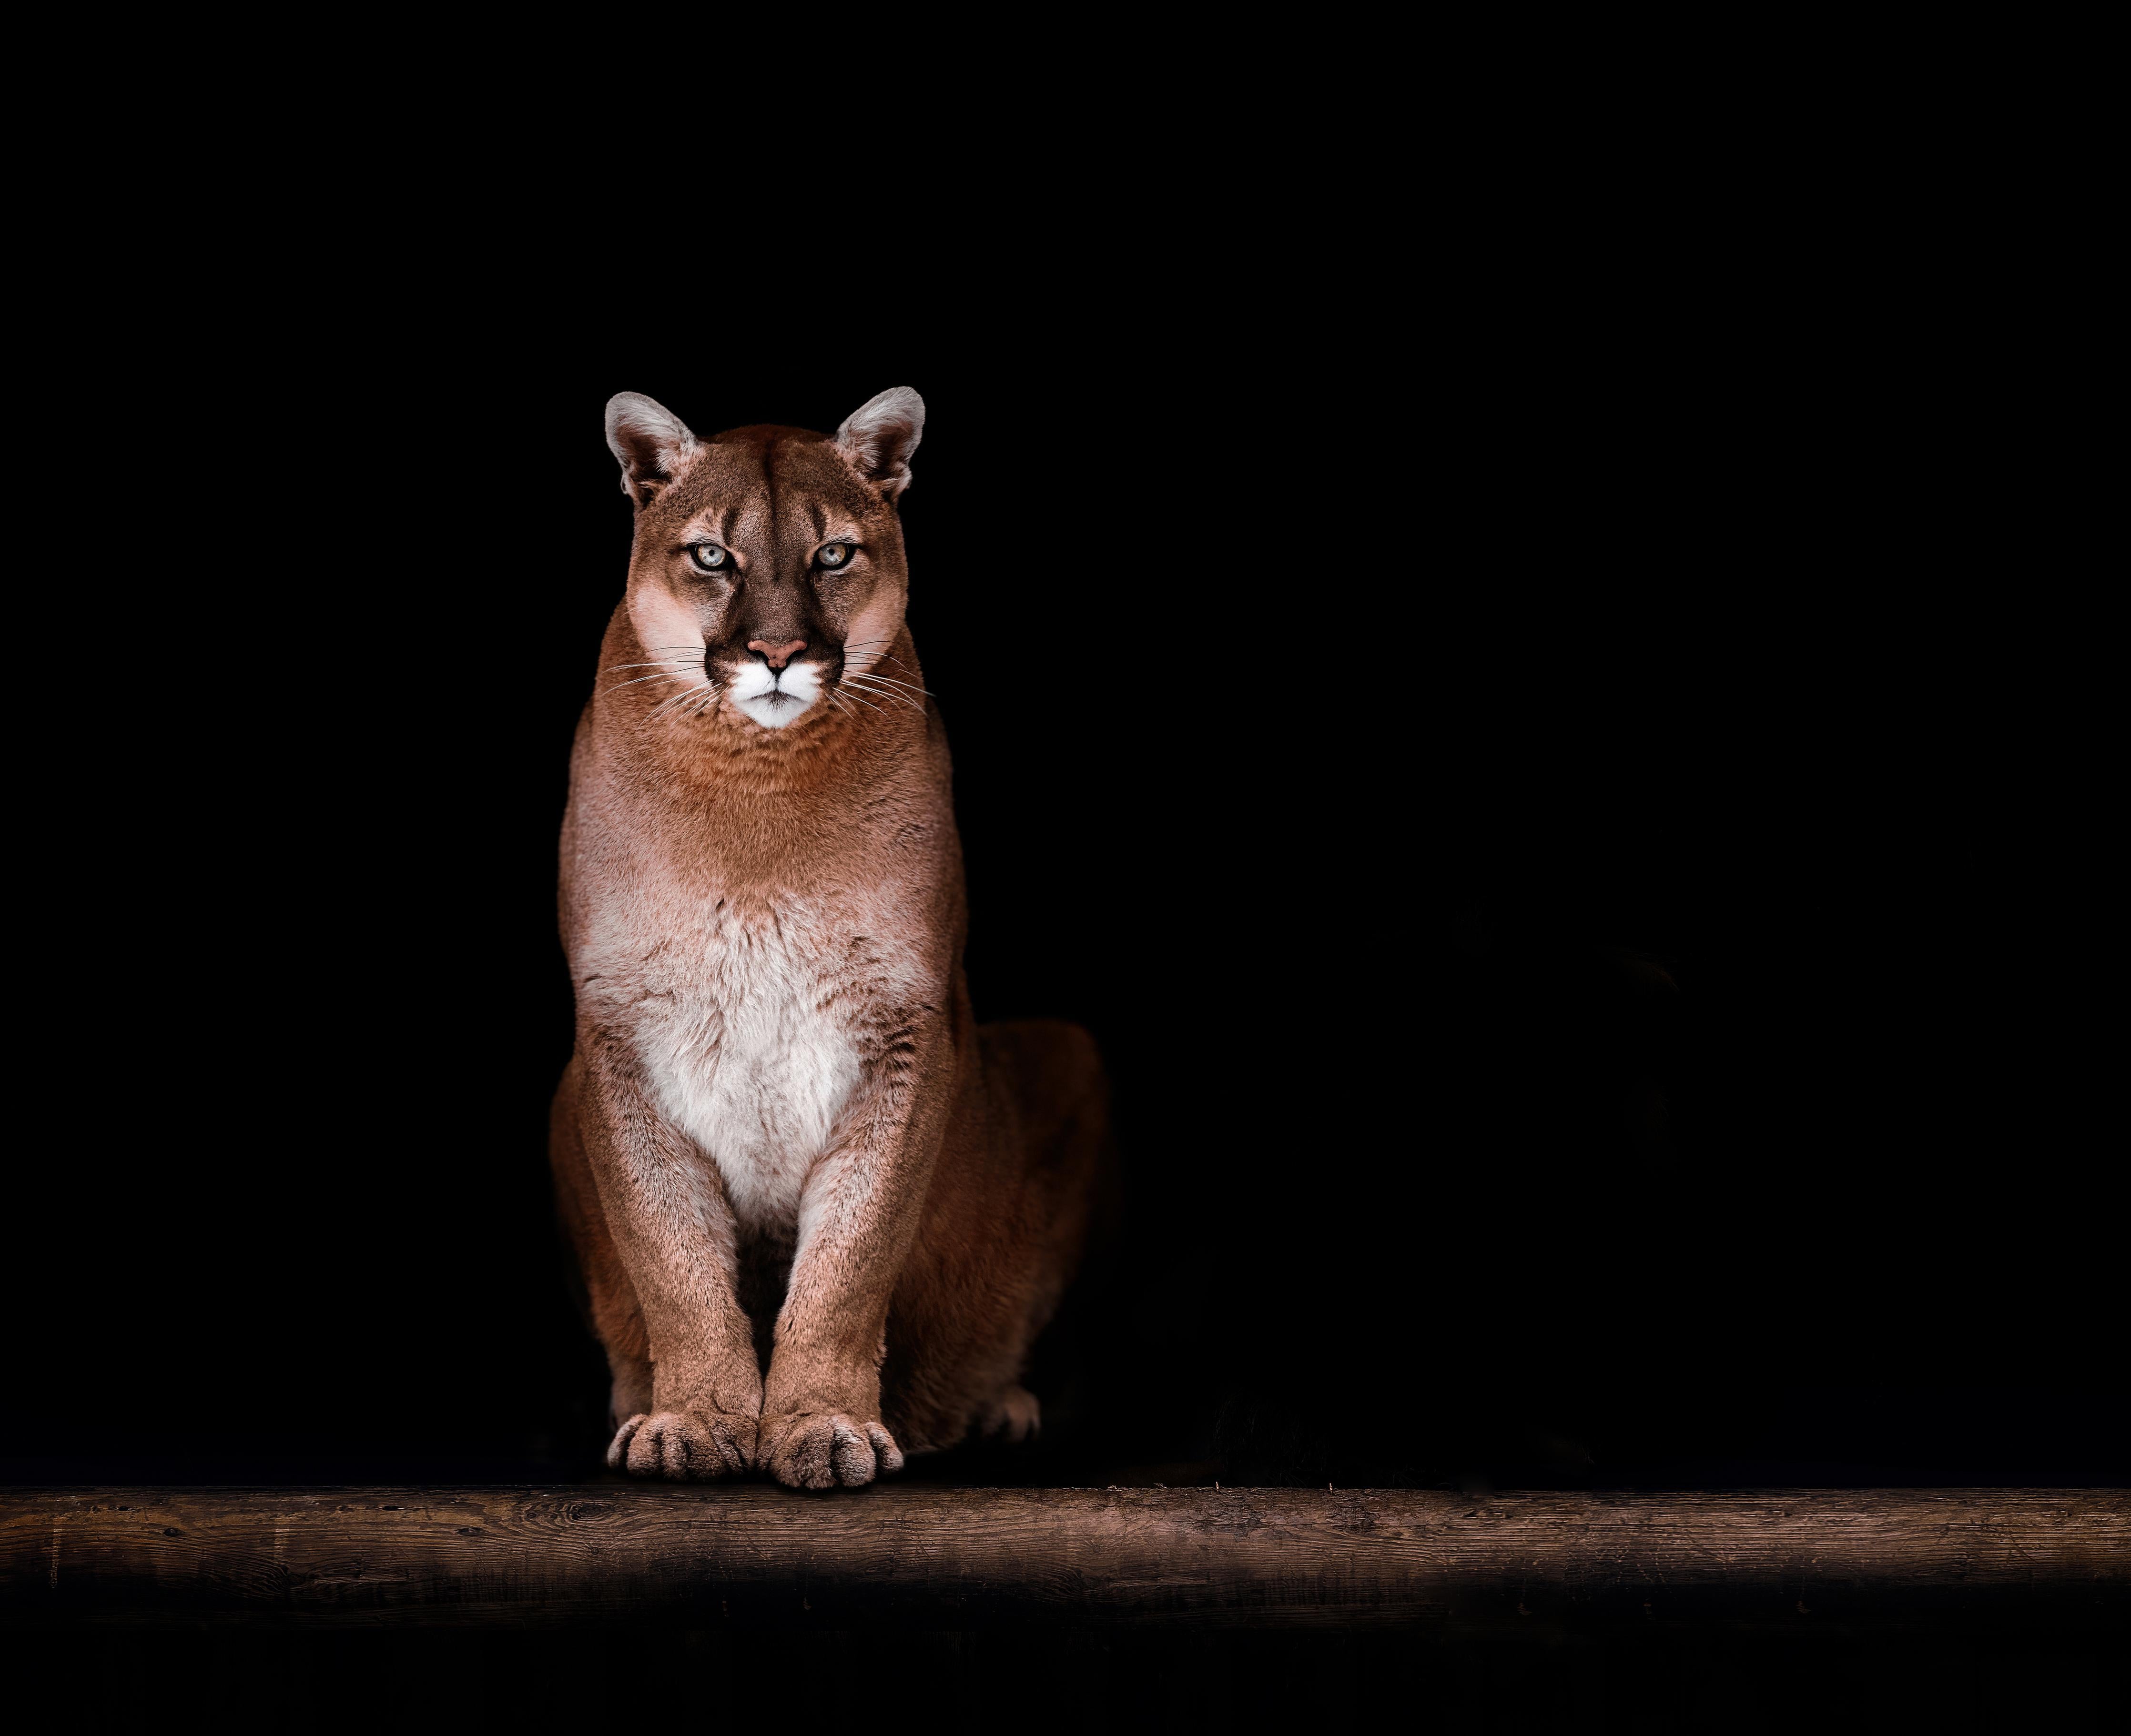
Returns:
<point x="748" y="1046"/>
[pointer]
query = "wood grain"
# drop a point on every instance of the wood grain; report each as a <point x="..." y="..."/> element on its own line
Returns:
<point x="953" y="1558"/>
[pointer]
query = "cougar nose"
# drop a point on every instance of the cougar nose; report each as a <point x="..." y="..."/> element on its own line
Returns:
<point x="777" y="656"/>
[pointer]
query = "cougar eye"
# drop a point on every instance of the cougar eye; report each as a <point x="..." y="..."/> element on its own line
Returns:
<point x="835" y="554"/>
<point x="709" y="557"/>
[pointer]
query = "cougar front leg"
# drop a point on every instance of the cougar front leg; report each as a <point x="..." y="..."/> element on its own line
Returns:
<point x="858" y="1218"/>
<point x="673" y="1229"/>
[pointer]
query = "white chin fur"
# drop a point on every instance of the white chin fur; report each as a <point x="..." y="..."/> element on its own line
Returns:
<point x="775" y="700"/>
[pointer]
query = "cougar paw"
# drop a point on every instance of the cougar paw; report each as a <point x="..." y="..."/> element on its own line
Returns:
<point x="682" y="1446"/>
<point x="819" y="1450"/>
<point x="1015" y="1415"/>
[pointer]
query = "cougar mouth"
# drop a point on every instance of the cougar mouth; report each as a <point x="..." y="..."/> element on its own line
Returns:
<point x="775" y="698"/>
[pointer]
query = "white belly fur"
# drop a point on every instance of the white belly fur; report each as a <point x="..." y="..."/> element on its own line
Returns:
<point x="742" y="1058"/>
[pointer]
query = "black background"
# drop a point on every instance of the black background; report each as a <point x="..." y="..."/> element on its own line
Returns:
<point x="1548" y="796"/>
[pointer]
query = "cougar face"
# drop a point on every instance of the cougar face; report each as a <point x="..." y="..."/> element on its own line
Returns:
<point x="769" y="559"/>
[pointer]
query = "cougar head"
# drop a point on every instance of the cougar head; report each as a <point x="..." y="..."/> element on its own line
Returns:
<point x="767" y="579"/>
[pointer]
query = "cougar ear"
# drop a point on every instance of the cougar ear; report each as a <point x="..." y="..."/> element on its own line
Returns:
<point x="654" y="444"/>
<point x="879" y="436"/>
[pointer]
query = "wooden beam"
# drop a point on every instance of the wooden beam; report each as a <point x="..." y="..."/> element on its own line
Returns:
<point x="949" y="1558"/>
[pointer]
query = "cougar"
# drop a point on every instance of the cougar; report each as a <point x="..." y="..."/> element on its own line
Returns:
<point x="821" y="1212"/>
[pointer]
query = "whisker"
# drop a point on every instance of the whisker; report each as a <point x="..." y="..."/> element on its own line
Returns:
<point x="893" y="699"/>
<point x="617" y="687"/>
<point x="888" y="683"/>
<point x="678" y="700"/>
<point x="911" y="686"/>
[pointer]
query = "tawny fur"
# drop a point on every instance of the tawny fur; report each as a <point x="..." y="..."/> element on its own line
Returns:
<point x="783" y="1136"/>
